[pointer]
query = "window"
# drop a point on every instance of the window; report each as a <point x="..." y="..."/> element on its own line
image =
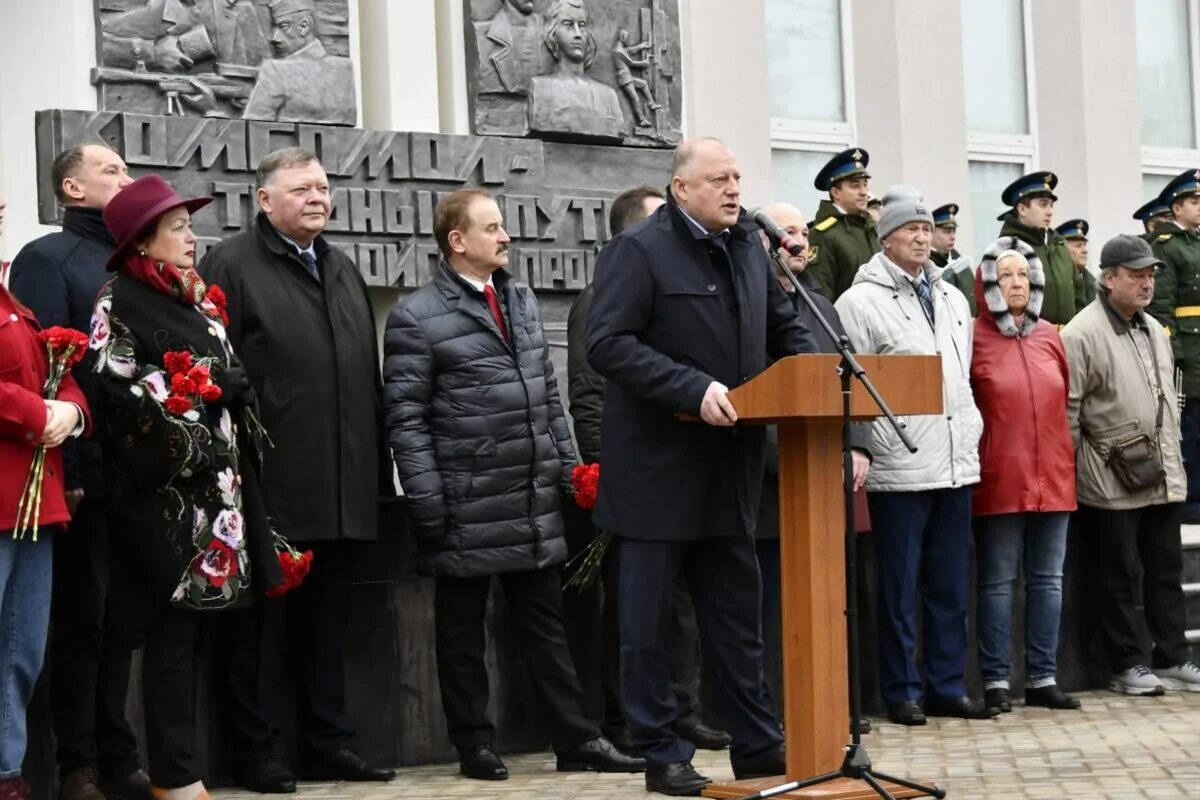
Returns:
<point x="988" y="180"/>
<point x="1168" y="61"/>
<point x="994" y="73"/>
<point x="1001" y="117"/>
<point x="812" y="98"/>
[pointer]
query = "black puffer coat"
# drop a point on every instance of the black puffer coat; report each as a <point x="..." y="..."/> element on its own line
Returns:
<point x="477" y="428"/>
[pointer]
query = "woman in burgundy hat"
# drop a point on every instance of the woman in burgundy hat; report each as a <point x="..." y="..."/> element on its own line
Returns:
<point x="179" y="430"/>
<point x="27" y="420"/>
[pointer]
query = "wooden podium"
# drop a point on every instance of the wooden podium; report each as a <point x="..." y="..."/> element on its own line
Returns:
<point x="803" y="395"/>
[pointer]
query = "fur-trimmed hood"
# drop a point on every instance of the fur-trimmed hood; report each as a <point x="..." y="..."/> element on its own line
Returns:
<point x="987" y="287"/>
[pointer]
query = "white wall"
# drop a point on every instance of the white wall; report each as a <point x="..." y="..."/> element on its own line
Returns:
<point x="47" y="49"/>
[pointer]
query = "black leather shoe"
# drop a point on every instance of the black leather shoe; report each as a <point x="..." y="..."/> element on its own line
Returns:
<point x="346" y="765"/>
<point x="679" y="779"/>
<point x="998" y="699"/>
<point x="134" y="786"/>
<point x="961" y="707"/>
<point x="764" y="765"/>
<point x="1051" y="697"/>
<point x="598" y="755"/>
<point x="268" y="777"/>
<point x="80" y="784"/>
<point x="621" y="739"/>
<point x="906" y="713"/>
<point x="695" y="731"/>
<point x="483" y="765"/>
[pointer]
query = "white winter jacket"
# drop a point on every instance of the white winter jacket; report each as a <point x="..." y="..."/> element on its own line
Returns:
<point x="883" y="315"/>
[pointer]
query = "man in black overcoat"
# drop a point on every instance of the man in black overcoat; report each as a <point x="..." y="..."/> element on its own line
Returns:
<point x="58" y="277"/>
<point x="686" y="306"/>
<point x="301" y="320"/>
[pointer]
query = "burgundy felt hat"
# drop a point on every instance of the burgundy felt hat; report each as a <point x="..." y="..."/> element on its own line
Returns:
<point x="134" y="208"/>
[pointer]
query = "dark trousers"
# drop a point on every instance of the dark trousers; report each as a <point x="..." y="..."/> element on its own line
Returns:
<point x="922" y="547"/>
<point x="767" y="551"/>
<point x="1189" y="430"/>
<point x="592" y="620"/>
<point x="308" y="626"/>
<point x="169" y="695"/>
<point x="535" y="612"/>
<point x="1121" y="547"/>
<point x="722" y="574"/>
<point x="89" y="665"/>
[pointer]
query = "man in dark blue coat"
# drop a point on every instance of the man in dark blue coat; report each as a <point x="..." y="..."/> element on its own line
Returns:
<point x="686" y="306"/>
<point x="58" y="276"/>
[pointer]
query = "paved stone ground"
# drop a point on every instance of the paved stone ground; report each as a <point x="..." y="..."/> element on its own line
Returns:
<point x="1117" y="748"/>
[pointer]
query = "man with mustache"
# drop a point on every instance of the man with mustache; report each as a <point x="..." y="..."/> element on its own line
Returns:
<point x="1121" y="409"/>
<point x="484" y="455"/>
<point x="300" y="319"/>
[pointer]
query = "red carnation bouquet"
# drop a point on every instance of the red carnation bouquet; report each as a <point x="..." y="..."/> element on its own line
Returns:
<point x="64" y="349"/>
<point x="189" y="381"/>
<point x="584" y="568"/>
<point x="294" y="565"/>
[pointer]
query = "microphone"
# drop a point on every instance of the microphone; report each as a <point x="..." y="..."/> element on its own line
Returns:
<point x="778" y="236"/>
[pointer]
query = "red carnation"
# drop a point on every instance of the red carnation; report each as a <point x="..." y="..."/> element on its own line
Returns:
<point x="295" y="567"/>
<point x="200" y="374"/>
<point x="182" y="384"/>
<point x="178" y="405"/>
<point x="210" y="393"/>
<point x="585" y="479"/>
<point x="177" y="361"/>
<point x="65" y="342"/>
<point x="216" y="296"/>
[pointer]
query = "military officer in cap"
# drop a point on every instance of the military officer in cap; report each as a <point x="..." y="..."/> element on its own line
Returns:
<point x="959" y="271"/>
<point x="1075" y="233"/>
<point x="842" y="237"/>
<point x="1176" y="305"/>
<point x="1031" y="199"/>
<point x="1151" y="215"/>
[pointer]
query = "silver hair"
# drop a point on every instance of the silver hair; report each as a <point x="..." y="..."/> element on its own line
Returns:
<point x="283" y="159"/>
<point x="1010" y="254"/>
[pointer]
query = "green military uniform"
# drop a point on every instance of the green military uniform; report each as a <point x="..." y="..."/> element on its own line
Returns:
<point x="958" y="273"/>
<point x="1062" y="279"/>
<point x="838" y="244"/>
<point x="1176" y="301"/>
<point x="1152" y="214"/>
<point x="1085" y="281"/>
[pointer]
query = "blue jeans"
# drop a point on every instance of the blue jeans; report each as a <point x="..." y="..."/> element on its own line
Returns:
<point x="25" y="579"/>
<point x="922" y="548"/>
<point x="1000" y="542"/>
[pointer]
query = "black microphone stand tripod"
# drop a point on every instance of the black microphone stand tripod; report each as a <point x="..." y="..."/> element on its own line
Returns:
<point x="857" y="764"/>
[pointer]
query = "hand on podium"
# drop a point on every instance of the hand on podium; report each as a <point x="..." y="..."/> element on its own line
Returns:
<point x="715" y="408"/>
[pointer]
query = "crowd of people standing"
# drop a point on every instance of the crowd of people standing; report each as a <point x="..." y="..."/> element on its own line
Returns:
<point x="234" y="412"/>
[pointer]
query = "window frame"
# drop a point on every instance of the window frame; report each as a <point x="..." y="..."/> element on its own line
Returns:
<point x="1173" y="160"/>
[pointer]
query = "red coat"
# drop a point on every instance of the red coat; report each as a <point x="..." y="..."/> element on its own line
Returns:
<point x="1026" y="456"/>
<point x="23" y="370"/>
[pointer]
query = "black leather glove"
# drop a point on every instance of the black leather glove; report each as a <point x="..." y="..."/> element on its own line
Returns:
<point x="235" y="387"/>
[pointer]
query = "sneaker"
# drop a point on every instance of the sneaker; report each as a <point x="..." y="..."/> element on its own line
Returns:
<point x="1184" y="678"/>
<point x="1137" y="680"/>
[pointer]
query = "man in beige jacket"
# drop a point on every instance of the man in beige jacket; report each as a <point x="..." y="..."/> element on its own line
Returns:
<point x="1122" y="386"/>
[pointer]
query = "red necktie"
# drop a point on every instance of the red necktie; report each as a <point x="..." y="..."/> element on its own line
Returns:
<point x="494" y="304"/>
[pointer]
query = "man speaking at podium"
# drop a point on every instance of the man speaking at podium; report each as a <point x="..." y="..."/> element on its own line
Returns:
<point x="685" y="306"/>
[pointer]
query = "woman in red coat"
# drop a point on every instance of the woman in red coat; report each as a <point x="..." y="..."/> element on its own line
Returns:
<point x="1027" y="462"/>
<point x="26" y="421"/>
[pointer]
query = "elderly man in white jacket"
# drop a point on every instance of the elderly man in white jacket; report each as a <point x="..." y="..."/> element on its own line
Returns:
<point x="920" y="502"/>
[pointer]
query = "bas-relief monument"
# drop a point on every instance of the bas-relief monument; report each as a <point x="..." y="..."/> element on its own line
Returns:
<point x="575" y="70"/>
<point x="200" y="90"/>
<point x="555" y="196"/>
<point x="279" y="60"/>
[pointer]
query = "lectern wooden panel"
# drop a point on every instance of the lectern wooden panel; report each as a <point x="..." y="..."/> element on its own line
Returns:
<point x="803" y="395"/>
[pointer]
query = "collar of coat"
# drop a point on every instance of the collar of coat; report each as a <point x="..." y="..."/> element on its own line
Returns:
<point x="987" y="286"/>
<point x="740" y="231"/>
<point x="1038" y="237"/>
<point x="274" y="241"/>
<point x="826" y="209"/>
<point x="88" y="223"/>
<point x="1120" y="325"/>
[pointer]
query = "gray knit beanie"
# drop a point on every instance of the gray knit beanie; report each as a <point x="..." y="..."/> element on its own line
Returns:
<point x="901" y="204"/>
